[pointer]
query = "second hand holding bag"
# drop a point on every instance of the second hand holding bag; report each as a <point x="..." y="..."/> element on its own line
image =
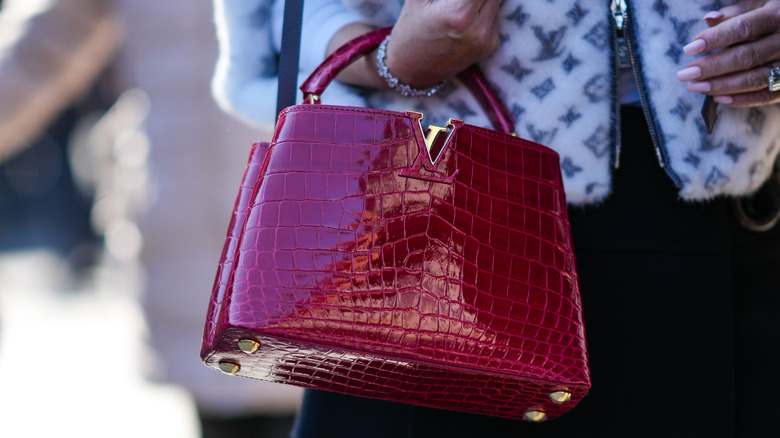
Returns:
<point x="369" y="256"/>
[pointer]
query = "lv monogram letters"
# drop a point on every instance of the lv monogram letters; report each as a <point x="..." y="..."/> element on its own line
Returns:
<point x="432" y="134"/>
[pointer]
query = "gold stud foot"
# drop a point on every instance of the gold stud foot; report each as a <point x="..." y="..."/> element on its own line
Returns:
<point x="229" y="367"/>
<point x="248" y="345"/>
<point x="560" y="396"/>
<point x="535" y="416"/>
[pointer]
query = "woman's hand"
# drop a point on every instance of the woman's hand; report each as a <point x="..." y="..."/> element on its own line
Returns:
<point x="744" y="45"/>
<point x="431" y="41"/>
<point x="437" y="39"/>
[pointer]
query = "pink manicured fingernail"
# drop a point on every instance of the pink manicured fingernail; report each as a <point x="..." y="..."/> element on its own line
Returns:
<point x="689" y="73"/>
<point x="714" y="15"/>
<point x="699" y="87"/>
<point x="723" y="99"/>
<point x="695" y="47"/>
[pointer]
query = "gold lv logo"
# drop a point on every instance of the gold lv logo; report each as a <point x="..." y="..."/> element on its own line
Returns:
<point x="432" y="134"/>
<point x="424" y="166"/>
<point x="430" y="140"/>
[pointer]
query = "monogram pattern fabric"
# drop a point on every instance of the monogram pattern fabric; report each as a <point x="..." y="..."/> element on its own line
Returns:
<point x="561" y="87"/>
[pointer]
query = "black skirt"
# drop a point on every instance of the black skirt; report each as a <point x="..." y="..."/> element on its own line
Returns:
<point x="682" y="319"/>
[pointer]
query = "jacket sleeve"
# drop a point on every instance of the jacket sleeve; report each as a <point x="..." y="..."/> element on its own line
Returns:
<point x="50" y="54"/>
<point x="249" y="34"/>
<point x="321" y="20"/>
<point x="244" y="82"/>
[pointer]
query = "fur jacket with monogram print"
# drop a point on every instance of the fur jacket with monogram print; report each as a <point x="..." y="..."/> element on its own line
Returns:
<point x="560" y="83"/>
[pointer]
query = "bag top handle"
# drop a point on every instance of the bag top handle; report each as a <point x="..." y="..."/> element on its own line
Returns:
<point x="472" y="78"/>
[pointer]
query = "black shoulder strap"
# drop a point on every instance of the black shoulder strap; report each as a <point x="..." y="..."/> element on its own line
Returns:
<point x="288" y="59"/>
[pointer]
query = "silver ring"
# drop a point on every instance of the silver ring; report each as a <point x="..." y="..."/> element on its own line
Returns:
<point x="774" y="79"/>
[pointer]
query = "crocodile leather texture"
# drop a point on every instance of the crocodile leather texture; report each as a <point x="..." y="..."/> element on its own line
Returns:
<point x="369" y="256"/>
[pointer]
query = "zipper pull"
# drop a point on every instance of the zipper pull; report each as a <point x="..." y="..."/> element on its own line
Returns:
<point x="619" y="14"/>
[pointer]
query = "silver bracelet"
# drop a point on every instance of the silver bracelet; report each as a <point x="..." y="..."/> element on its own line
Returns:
<point x="393" y="82"/>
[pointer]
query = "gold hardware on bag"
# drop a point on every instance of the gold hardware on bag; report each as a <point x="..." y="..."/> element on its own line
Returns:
<point x="535" y="416"/>
<point x="248" y="345"/>
<point x="313" y="98"/>
<point x="560" y="396"/>
<point x="229" y="367"/>
<point x="433" y="134"/>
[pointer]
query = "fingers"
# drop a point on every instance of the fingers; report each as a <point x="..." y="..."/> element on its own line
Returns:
<point x="735" y="26"/>
<point x="758" y="98"/>
<point x="750" y="88"/>
<point x="739" y="58"/>
<point x="743" y="40"/>
<point x="716" y="17"/>
<point x="743" y="82"/>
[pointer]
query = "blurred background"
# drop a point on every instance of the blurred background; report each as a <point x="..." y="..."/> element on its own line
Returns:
<point x="117" y="177"/>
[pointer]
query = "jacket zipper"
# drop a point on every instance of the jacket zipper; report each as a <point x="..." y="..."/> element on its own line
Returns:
<point x="627" y="56"/>
<point x="620" y="51"/>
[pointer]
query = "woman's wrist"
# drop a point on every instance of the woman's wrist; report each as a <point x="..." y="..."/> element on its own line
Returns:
<point x="365" y="72"/>
<point x="394" y="82"/>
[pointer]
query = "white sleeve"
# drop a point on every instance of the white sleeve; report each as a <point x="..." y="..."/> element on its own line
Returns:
<point x="249" y="35"/>
<point x="321" y="20"/>
<point x="244" y="81"/>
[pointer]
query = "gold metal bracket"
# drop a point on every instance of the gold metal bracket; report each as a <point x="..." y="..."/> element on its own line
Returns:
<point x="560" y="396"/>
<point x="535" y="416"/>
<point x="229" y="367"/>
<point x="248" y="345"/>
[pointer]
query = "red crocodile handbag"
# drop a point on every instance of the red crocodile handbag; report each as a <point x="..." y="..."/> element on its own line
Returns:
<point x="369" y="256"/>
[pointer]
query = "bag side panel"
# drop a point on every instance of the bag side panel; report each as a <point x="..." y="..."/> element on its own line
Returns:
<point x="250" y="181"/>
